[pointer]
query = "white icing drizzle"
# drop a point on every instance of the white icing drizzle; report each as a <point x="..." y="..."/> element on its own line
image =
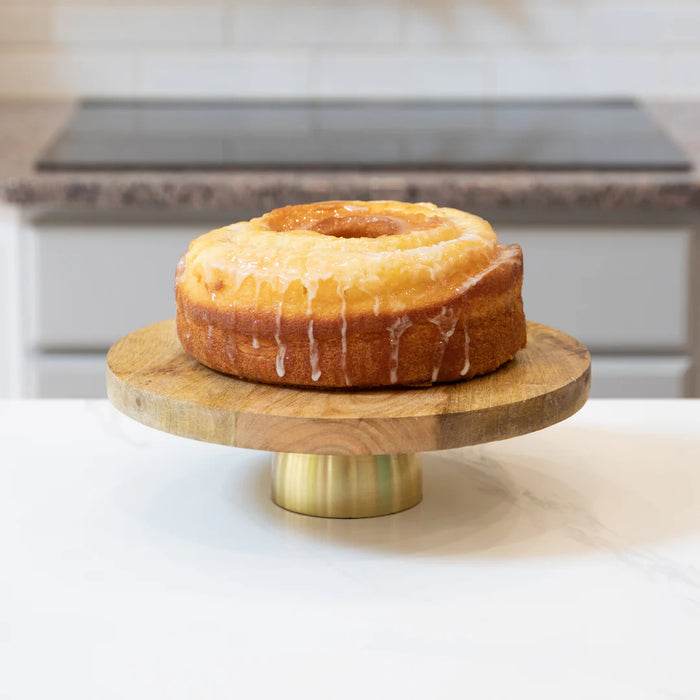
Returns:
<point x="255" y="342"/>
<point x="311" y="290"/>
<point x="508" y="259"/>
<point x="210" y="338"/>
<point x="239" y="280"/>
<point x="180" y="269"/>
<point x="446" y="322"/>
<point x="465" y="369"/>
<point x="231" y="352"/>
<point x="343" y="335"/>
<point x="281" y="349"/>
<point x="188" y="323"/>
<point x="375" y="308"/>
<point x="313" y="354"/>
<point x="396" y="330"/>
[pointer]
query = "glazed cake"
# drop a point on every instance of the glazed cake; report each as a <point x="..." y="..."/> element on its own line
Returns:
<point x="352" y="294"/>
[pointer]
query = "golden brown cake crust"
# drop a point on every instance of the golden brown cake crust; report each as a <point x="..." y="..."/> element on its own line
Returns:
<point x="474" y="330"/>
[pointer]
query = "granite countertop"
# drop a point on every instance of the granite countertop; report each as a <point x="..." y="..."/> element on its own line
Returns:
<point x="27" y="127"/>
<point x="560" y="564"/>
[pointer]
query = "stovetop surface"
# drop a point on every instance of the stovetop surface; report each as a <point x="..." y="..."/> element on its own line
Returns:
<point x="153" y="135"/>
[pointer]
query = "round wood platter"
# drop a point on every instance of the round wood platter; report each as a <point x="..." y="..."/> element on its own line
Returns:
<point x="152" y="379"/>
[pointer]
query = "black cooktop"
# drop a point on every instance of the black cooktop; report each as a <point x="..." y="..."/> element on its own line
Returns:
<point x="152" y="135"/>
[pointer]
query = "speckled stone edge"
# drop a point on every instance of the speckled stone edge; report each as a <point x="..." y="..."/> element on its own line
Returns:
<point x="266" y="190"/>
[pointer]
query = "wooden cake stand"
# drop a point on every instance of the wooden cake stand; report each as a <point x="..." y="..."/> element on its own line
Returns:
<point x="345" y="454"/>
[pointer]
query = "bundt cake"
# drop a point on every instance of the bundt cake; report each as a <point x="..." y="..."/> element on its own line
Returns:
<point x="352" y="294"/>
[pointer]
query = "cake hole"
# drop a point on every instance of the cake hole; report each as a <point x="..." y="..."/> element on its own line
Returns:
<point x="358" y="226"/>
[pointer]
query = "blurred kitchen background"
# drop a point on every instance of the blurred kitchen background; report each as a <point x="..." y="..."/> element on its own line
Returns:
<point x="604" y="197"/>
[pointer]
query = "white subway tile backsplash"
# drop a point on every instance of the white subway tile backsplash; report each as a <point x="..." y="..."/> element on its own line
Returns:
<point x="400" y="74"/>
<point x="25" y="3"/>
<point x="127" y="3"/>
<point x="225" y="73"/>
<point x="629" y="73"/>
<point x="684" y="27"/>
<point x="646" y="23"/>
<point x="23" y="23"/>
<point x="137" y="24"/>
<point x="311" y="23"/>
<point x="492" y="24"/>
<point x="624" y="26"/>
<point x="523" y="74"/>
<point x="370" y="48"/>
<point x="562" y="74"/>
<point x="53" y="72"/>
<point x="682" y="76"/>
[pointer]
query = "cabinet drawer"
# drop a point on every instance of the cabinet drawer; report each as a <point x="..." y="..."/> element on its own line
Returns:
<point x="617" y="290"/>
<point x="79" y="376"/>
<point x="638" y="377"/>
<point x="94" y="284"/>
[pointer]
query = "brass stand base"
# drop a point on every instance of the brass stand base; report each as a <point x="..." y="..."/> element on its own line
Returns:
<point x="339" y="486"/>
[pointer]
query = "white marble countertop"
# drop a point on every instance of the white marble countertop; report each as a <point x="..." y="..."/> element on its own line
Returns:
<point x="562" y="564"/>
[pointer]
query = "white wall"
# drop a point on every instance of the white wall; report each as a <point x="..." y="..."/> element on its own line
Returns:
<point x="442" y="48"/>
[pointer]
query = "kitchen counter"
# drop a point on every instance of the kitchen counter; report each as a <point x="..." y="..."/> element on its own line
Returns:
<point x="558" y="564"/>
<point x="26" y="128"/>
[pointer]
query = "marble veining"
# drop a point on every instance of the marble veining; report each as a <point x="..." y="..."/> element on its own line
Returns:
<point x="568" y="557"/>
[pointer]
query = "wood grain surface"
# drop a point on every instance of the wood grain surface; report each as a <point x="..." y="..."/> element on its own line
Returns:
<point x="152" y="379"/>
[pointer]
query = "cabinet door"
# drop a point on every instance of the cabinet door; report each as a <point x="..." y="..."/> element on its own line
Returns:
<point x="616" y="290"/>
<point x="10" y="315"/>
<point x="75" y="376"/>
<point x="638" y="377"/>
<point x="94" y="284"/>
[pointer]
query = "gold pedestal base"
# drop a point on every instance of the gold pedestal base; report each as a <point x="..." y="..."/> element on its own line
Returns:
<point x="339" y="486"/>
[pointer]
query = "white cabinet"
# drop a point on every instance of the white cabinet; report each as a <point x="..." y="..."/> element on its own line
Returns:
<point x="624" y="291"/>
<point x="10" y="306"/>
<point x="638" y="377"/>
<point x="56" y="376"/>
<point x="95" y="283"/>
<point x="616" y="290"/>
<point x="87" y="284"/>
